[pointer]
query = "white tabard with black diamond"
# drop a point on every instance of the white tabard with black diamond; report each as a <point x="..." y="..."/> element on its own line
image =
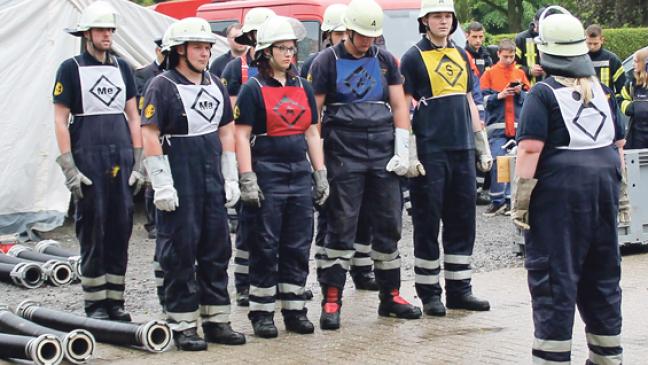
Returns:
<point x="589" y="126"/>
<point x="103" y="90"/>
<point x="203" y="105"/>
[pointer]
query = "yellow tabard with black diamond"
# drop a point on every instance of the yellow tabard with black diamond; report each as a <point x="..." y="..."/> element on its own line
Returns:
<point x="447" y="70"/>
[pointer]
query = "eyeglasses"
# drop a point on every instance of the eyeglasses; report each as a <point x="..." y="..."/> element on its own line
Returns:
<point x="286" y="50"/>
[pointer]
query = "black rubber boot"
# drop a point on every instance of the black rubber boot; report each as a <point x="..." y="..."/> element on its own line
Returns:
<point x="222" y="333"/>
<point x="331" y="305"/>
<point x="188" y="340"/>
<point x="308" y="294"/>
<point x="298" y="323"/>
<point x="116" y="312"/>
<point x="264" y="327"/>
<point x="243" y="297"/>
<point x="365" y="281"/>
<point x="393" y="305"/>
<point x="434" y="307"/>
<point x="467" y="302"/>
<point x="96" y="310"/>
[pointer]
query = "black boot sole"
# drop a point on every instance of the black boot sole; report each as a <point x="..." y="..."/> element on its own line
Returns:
<point x="406" y="315"/>
<point x="328" y="323"/>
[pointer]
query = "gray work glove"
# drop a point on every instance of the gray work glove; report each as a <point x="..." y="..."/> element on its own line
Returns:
<point x="250" y="191"/>
<point x="624" y="201"/>
<point x="520" y="200"/>
<point x="230" y="175"/>
<point x="399" y="163"/>
<point x="321" y="187"/>
<point x="416" y="168"/>
<point x="137" y="178"/>
<point x="484" y="156"/>
<point x="73" y="177"/>
<point x="165" y="196"/>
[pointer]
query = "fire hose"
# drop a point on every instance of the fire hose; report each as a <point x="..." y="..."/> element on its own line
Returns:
<point x="27" y="275"/>
<point x="51" y="247"/>
<point x="58" y="272"/>
<point x="153" y="336"/>
<point x="78" y="345"/>
<point x="42" y="350"/>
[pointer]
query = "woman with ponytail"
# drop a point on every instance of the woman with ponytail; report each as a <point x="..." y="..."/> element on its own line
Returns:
<point x="566" y="198"/>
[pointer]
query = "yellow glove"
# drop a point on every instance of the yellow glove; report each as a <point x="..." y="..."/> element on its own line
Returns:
<point x="520" y="201"/>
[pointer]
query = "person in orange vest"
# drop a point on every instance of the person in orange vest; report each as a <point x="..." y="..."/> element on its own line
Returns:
<point x="504" y="87"/>
<point x="480" y="59"/>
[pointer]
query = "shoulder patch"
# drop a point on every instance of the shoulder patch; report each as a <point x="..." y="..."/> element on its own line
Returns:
<point x="58" y="89"/>
<point x="141" y="103"/>
<point x="309" y="77"/>
<point x="224" y="81"/>
<point x="149" y="111"/>
<point x="237" y="112"/>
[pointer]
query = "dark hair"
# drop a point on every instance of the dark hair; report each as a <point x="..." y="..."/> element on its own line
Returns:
<point x="474" y="27"/>
<point x="506" y="45"/>
<point x="594" y="31"/>
<point x="229" y="28"/>
<point x="265" y="69"/>
<point x="173" y="58"/>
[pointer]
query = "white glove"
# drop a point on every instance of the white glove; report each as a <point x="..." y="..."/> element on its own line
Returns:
<point x="322" y="188"/>
<point x="137" y="179"/>
<point x="73" y="177"/>
<point x="415" y="166"/>
<point x="400" y="162"/>
<point x="484" y="156"/>
<point x="230" y="174"/>
<point x="165" y="197"/>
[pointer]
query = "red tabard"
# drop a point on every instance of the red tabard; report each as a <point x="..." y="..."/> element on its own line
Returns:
<point x="287" y="110"/>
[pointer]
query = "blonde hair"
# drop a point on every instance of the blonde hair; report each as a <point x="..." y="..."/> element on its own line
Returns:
<point x="641" y="74"/>
<point x="582" y="85"/>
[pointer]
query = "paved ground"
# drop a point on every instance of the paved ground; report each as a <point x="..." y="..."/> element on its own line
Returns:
<point x="501" y="336"/>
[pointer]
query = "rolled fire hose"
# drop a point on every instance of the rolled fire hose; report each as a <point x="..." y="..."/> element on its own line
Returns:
<point x="78" y="345"/>
<point x="153" y="336"/>
<point x="27" y="275"/>
<point x="58" y="272"/>
<point x="51" y="247"/>
<point x="42" y="350"/>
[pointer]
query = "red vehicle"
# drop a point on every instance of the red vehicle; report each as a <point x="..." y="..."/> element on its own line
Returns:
<point x="400" y="29"/>
<point x="179" y="9"/>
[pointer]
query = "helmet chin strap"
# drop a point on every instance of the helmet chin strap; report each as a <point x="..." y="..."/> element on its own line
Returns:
<point x="351" y="40"/>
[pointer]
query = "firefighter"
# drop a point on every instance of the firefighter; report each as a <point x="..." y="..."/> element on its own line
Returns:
<point x="450" y="138"/>
<point x="142" y="82"/>
<point x="526" y="52"/>
<point x="277" y="110"/>
<point x="101" y="151"/>
<point x="237" y="73"/>
<point x="193" y="173"/>
<point x="568" y="174"/>
<point x="480" y="59"/>
<point x="236" y="50"/>
<point x="366" y="134"/>
<point x="607" y="64"/>
<point x="634" y="102"/>
<point x="334" y="32"/>
<point x="504" y="86"/>
<point x="142" y="77"/>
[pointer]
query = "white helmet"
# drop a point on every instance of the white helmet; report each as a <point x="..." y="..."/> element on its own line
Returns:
<point x="99" y="14"/>
<point x="279" y="28"/>
<point x="334" y="18"/>
<point x="254" y="18"/>
<point x="364" y="17"/>
<point x="437" y="6"/>
<point x="561" y="34"/>
<point x="166" y="44"/>
<point x="191" y="29"/>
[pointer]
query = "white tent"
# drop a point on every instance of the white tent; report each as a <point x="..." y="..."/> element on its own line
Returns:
<point x="33" y="43"/>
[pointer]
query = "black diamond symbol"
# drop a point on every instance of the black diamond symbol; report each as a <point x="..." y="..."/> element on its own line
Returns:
<point x="289" y="110"/>
<point x="584" y="128"/>
<point x="206" y="105"/>
<point x="360" y="82"/>
<point x="449" y="70"/>
<point x="105" y="90"/>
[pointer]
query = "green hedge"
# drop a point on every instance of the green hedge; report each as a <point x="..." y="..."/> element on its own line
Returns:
<point x="622" y="41"/>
